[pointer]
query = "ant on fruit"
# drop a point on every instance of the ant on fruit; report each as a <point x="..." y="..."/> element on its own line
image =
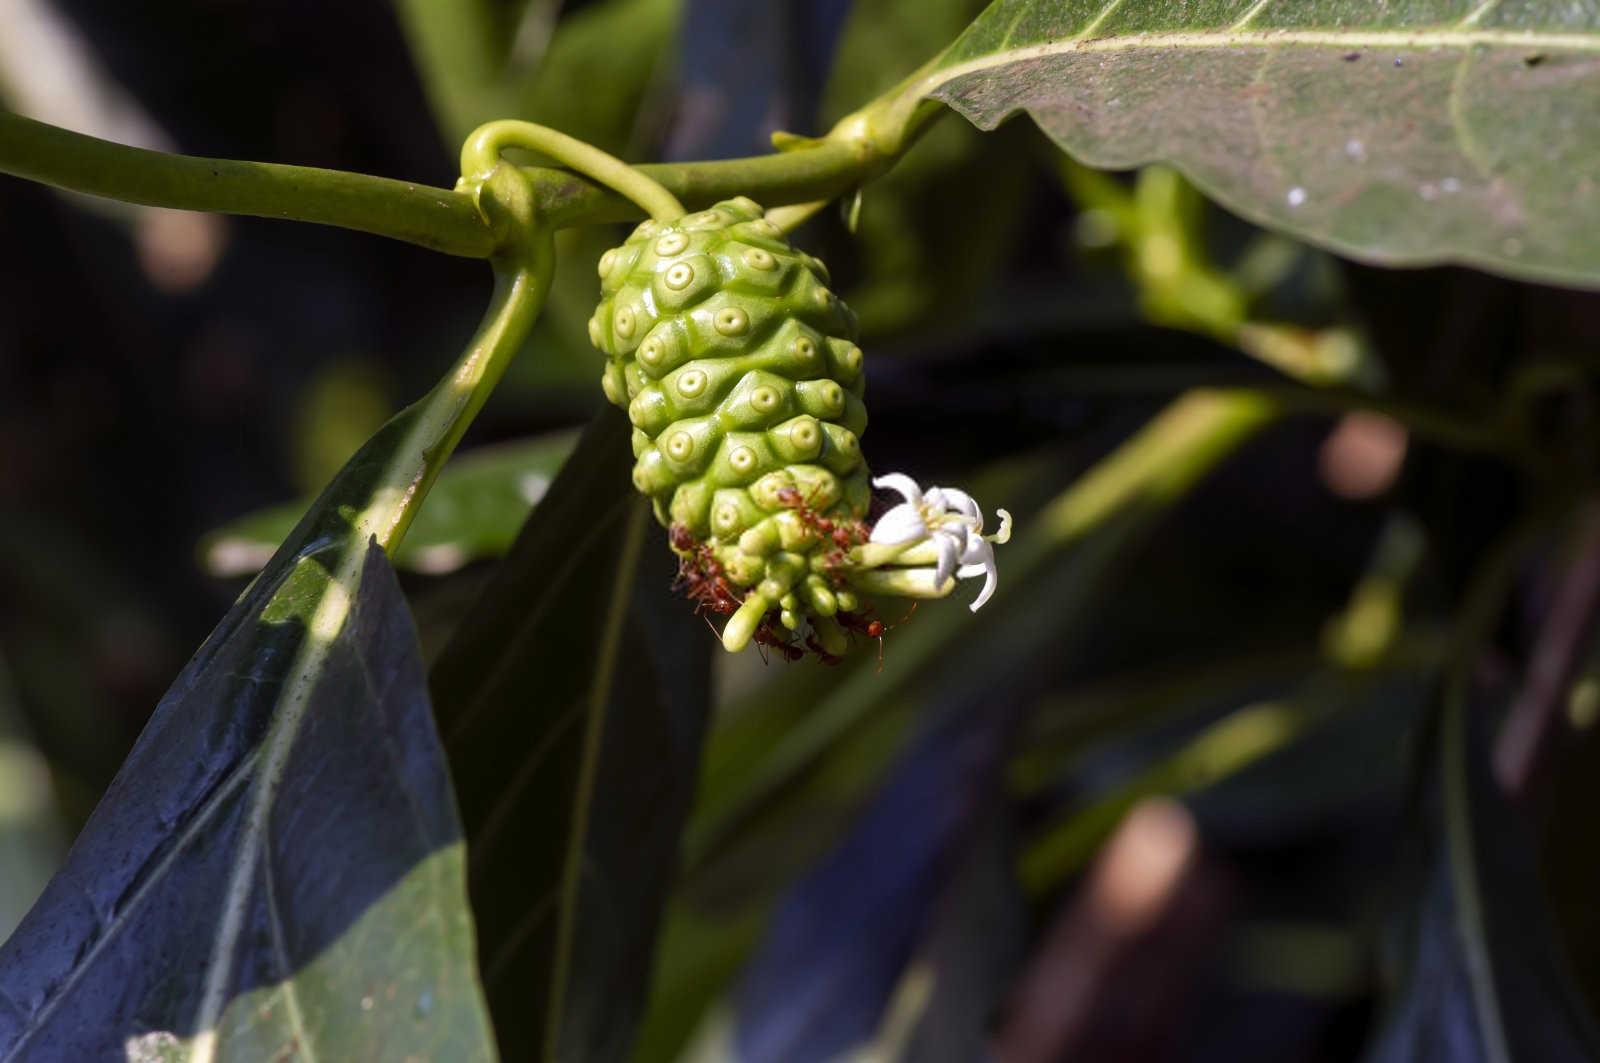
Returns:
<point x="766" y="636"/>
<point x="822" y="654"/>
<point x="870" y="626"/>
<point x="844" y="534"/>
<point x="701" y="577"/>
<point x="681" y="538"/>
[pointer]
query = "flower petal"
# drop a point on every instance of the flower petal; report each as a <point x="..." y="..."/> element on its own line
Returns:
<point x="958" y="500"/>
<point x="977" y="552"/>
<point x="902" y="524"/>
<point x="981" y="554"/>
<point x="949" y="556"/>
<point x="899" y="481"/>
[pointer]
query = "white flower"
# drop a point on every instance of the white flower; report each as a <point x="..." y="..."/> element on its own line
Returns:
<point x="944" y="525"/>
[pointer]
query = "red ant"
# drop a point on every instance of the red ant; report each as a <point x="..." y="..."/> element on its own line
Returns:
<point x="843" y="534"/>
<point x="766" y="635"/>
<point x="871" y="626"/>
<point x="682" y="538"/>
<point x="822" y="654"/>
<point x="702" y="581"/>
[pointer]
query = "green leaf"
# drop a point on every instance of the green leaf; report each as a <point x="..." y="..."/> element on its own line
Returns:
<point x="572" y="701"/>
<point x="474" y="511"/>
<point x="1409" y="132"/>
<point x="277" y="867"/>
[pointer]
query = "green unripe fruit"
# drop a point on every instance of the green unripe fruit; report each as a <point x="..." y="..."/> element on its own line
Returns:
<point x="740" y="372"/>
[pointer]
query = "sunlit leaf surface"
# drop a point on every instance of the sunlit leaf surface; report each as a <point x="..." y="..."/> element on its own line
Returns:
<point x="1403" y="132"/>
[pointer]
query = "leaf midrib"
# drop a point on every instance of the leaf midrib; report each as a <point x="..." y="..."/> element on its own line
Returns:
<point x="1229" y="37"/>
<point x="240" y="773"/>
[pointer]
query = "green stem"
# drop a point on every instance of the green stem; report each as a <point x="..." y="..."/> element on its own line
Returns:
<point x="481" y="154"/>
<point x="439" y="419"/>
<point x="436" y="218"/>
<point x="432" y="217"/>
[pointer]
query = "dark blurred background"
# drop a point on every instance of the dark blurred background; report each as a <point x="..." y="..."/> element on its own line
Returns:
<point x="162" y="375"/>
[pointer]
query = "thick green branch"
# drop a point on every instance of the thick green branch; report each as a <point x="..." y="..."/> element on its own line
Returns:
<point x="437" y="218"/>
<point x="433" y="217"/>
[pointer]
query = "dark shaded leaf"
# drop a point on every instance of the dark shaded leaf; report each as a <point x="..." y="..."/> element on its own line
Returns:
<point x="1407" y="132"/>
<point x="749" y="70"/>
<point x="474" y="511"/>
<point x="278" y="861"/>
<point x="974" y="949"/>
<point x="1486" y="979"/>
<point x="277" y="867"/>
<point x="840" y="940"/>
<point x="572" y="702"/>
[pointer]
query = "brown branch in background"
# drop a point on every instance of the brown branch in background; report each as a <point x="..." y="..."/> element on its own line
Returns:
<point x="1563" y="642"/>
<point x="1144" y="917"/>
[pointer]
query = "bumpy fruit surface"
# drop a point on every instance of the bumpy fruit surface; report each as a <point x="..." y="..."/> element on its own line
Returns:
<point x="739" y="370"/>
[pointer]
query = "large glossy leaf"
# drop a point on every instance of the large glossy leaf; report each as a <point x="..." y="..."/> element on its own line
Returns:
<point x="474" y="511"/>
<point x="1401" y="132"/>
<point x="277" y="868"/>
<point x="572" y="702"/>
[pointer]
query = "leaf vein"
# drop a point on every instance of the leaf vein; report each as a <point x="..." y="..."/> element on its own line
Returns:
<point x="201" y="818"/>
<point x="1249" y="16"/>
<point x="280" y="949"/>
<point x="1099" y="20"/>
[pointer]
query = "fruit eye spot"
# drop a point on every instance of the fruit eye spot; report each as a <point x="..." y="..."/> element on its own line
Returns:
<point x="727" y="517"/>
<point x="691" y="383"/>
<point x="623" y="322"/>
<point x="651" y="351"/>
<point x="805" y="349"/>
<point x="743" y="459"/>
<point x="679" y="276"/>
<point x="608" y="260"/>
<point x="764" y="399"/>
<point x="671" y="244"/>
<point x="756" y="258"/>
<point x="804" y="434"/>
<point x="680" y="446"/>
<point x="833" y="395"/>
<point x="731" y="321"/>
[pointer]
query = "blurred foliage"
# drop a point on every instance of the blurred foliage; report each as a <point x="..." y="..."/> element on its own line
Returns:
<point x="31" y="842"/>
<point x="1258" y="491"/>
<point x="473" y="513"/>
